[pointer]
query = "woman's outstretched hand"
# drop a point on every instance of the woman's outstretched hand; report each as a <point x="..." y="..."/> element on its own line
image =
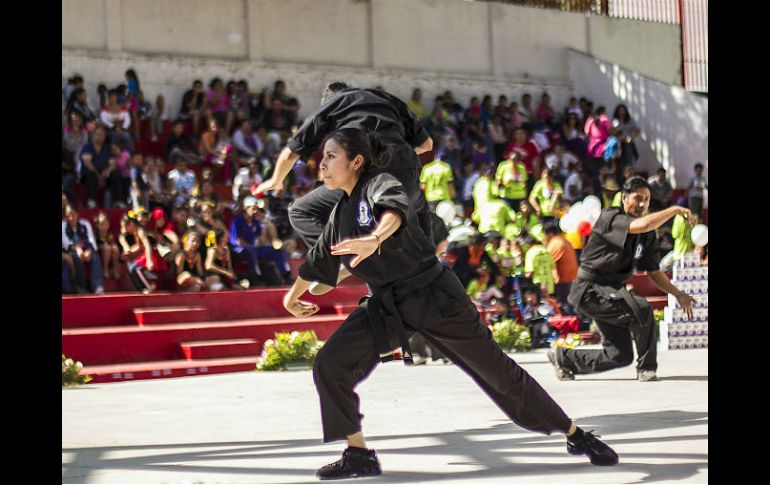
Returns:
<point x="362" y="247"/>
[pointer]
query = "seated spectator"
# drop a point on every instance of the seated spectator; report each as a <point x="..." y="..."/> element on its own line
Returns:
<point x="123" y="168"/>
<point x="660" y="191"/>
<point x="277" y="120"/>
<point x="416" y="105"/>
<point x="245" y="178"/>
<point x="215" y="149"/>
<point x="278" y="202"/>
<point x="546" y="195"/>
<point x="188" y="264"/>
<point x="559" y="162"/>
<point x="193" y="105"/>
<point x="117" y="120"/>
<point x="572" y="135"/>
<point x="481" y="289"/>
<point x="628" y="131"/>
<point x="573" y="108"/>
<point x="496" y="130"/>
<point x="108" y="247"/>
<point x="527" y="114"/>
<point x="206" y="223"/>
<point x="161" y="235"/>
<point x="157" y="191"/>
<point x="67" y="274"/>
<point x="179" y="144"/>
<point x="535" y="314"/>
<point x="181" y="221"/>
<point x="451" y="153"/>
<point x="502" y="108"/>
<point x="78" y="241"/>
<point x="513" y="122"/>
<point x="74" y="139"/>
<point x="218" y="105"/>
<point x="250" y="241"/>
<point x="526" y="219"/>
<point x="434" y="124"/>
<point x="545" y="112"/>
<point x="78" y="101"/>
<point x="206" y="195"/>
<point x="247" y="144"/>
<point x="99" y="169"/>
<point x="218" y="265"/>
<point x="159" y="118"/>
<point x="139" y="190"/>
<point x="181" y="181"/>
<point x="696" y="190"/>
<point x="240" y="102"/>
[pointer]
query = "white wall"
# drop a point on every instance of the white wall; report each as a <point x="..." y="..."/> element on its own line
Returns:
<point x="465" y="39"/>
<point x="674" y="122"/>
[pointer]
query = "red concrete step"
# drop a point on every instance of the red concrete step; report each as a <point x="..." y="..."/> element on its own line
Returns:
<point x="657" y="302"/>
<point x="132" y="343"/>
<point x="342" y="309"/>
<point x="171" y="314"/>
<point x="168" y="368"/>
<point x="217" y="349"/>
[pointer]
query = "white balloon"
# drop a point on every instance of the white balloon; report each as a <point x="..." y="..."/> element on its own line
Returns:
<point x="578" y="211"/>
<point x="446" y="211"/>
<point x="569" y="222"/>
<point x="700" y="235"/>
<point x="591" y="202"/>
<point x="461" y="233"/>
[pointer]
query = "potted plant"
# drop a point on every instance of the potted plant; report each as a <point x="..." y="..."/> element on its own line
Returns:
<point x="289" y="351"/>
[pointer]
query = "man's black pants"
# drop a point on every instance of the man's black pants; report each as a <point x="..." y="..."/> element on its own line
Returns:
<point x="308" y="214"/>
<point x="617" y="325"/>
<point x="446" y="318"/>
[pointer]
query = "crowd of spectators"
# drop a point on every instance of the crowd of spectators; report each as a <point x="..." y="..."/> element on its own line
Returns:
<point x="512" y="169"/>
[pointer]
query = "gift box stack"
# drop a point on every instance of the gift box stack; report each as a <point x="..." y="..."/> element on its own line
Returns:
<point x="676" y="330"/>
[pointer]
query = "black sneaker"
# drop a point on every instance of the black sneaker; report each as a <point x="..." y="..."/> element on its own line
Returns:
<point x="586" y="443"/>
<point x="355" y="462"/>
<point x="562" y="373"/>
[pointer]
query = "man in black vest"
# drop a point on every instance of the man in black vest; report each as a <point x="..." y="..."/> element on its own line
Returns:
<point x="623" y="240"/>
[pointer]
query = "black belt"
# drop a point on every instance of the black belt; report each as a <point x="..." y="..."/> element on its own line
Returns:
<point x="620" y="288"/>
<point x="383" y="314"/>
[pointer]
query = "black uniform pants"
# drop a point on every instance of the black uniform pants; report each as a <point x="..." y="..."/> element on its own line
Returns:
<point x="309" y="214"/>
<point x="618" y="327"/>
<point x="449" y="321"/>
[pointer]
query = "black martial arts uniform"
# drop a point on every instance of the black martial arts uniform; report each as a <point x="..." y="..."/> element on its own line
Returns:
<point x="410" y="291"/>
<point x="608" y="259"/>
<point x="366" y="110"/>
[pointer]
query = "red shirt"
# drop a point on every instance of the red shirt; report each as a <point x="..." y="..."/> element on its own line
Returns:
<point x="527" y="151"/>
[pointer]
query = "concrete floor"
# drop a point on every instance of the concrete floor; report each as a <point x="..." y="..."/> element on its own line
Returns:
<point x="429" y="424"/>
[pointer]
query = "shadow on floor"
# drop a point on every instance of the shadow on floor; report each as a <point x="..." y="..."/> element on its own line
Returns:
<point x="494" y="455"/>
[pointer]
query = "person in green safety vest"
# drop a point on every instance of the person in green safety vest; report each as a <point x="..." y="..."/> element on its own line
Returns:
<point x="526" y="217"/>
<point x="484" y="189"/>
<point x="546" y="195"/>
<point x="436" y="181"/>
<point x="681" y="231"/>
<point x="493" y="215"/>
<point x="511" y="178"/>
<point x="539" y="266"/>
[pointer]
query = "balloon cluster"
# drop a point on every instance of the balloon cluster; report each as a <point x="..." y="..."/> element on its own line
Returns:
<point x="582" y="216"/>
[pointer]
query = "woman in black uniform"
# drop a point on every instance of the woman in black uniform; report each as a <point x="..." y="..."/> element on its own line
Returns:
<point x="374" y="232"/>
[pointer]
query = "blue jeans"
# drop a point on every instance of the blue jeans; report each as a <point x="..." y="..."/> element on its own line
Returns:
<point x="97" y="278"/>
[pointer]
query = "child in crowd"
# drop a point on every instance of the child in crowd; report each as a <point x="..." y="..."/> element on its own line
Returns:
<point x="108" y="248"/>
<point x="189" y="268"/>
<point x="219" y="265"/>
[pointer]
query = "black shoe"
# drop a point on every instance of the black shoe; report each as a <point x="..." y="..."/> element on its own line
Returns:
<point x="562" y="373"/>
<point x="586" y="443"/>
<point x="355" y="462"/>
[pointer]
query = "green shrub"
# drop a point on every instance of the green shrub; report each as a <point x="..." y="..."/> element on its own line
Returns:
<point x="70" y="372"/>
<point x="288" y="348"/>
<point x="512" y="336"/>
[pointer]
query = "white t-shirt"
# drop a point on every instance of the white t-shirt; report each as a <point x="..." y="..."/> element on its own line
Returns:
<point x="243" y="179"/>
<point x="576" y="180"/>
<point x="552" y="161"/>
